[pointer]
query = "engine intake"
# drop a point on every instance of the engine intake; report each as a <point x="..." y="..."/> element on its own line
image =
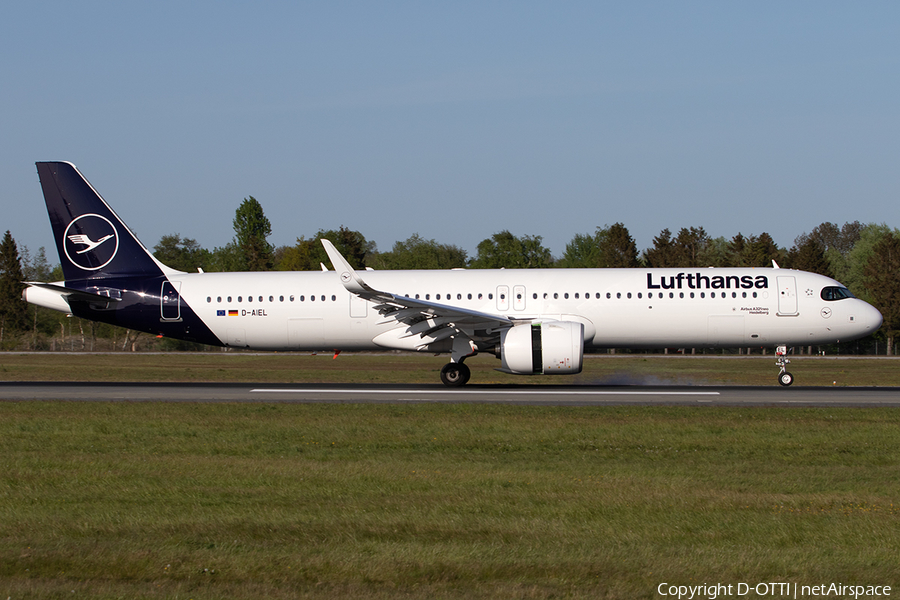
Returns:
<point x="552" y="348"/>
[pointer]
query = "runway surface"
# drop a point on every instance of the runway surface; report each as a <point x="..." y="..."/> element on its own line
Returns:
<point x="508" y="394"/>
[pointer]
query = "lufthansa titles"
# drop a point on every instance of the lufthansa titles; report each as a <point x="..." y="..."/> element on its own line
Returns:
<point x="698" y="281"/>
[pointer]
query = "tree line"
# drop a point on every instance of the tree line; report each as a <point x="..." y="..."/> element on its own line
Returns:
<point x="865" y="257"/>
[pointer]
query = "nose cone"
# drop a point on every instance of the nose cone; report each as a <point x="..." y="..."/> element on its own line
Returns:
<point x="870" y="318"/>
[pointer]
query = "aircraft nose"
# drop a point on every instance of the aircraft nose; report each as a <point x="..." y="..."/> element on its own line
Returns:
<point x="870" y="318"/>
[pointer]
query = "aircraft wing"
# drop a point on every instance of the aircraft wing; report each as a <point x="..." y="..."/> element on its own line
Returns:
<point x="430" y="321"/>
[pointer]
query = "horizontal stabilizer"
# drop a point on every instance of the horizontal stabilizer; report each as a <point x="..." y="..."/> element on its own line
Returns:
<point x="57" y="297"/>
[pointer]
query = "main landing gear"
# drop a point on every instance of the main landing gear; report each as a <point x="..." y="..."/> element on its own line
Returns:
<point x="455" y="374"/>
<point x="784" y="377"/>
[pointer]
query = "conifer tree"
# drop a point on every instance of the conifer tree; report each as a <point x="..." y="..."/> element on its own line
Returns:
<point x="12" y="307"/>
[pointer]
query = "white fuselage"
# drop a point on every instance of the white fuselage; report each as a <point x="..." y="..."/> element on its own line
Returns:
<point x="624" y="308"/>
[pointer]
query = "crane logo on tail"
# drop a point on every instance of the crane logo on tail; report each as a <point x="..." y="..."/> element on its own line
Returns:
<point x="90" y="242"/>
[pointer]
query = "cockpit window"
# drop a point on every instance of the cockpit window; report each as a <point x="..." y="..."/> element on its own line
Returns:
<point x="831" y="294"/>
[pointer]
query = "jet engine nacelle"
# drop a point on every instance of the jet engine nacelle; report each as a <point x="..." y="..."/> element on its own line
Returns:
<point x="551" y="348"/>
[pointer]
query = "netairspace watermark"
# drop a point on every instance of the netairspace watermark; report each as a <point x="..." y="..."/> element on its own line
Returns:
<point x="770" y="589"/>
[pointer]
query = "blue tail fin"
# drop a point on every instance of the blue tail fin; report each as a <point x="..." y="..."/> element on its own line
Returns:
<point x="92" y="240"/>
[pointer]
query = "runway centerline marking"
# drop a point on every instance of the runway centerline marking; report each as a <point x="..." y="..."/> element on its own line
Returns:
<point x="484" y="392"/>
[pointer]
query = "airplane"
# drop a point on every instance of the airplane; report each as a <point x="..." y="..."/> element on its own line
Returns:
<point x="536" y="321"/>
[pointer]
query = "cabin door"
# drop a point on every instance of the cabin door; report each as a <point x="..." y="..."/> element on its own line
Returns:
<point x="170" y="301"/>
<point x="787" y="296"/>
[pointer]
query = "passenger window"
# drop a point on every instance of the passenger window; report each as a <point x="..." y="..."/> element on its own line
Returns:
<point x="618" y="295"/>
<point x="566" y="295"/>
<point x="534" y="296"/>
<point x="323" y="297"/>
<point x="671" y="294"/>
<point x="239" y="298"/>
<point x="281" y="298"/>
<point x="598" y="295"/>
<point x="681" y="294"/>
<point x="576" y="295"/>
<point x="219" y="299"/>
<point x="209" y="298"/>
<point x="292" y="298"/>
<point x="459" y="296"/>
<point x="333" y="298"/>
<point x="555" y="295"/>
<point x="249" y="298"/>
<point x="608" y="295"/>
<point x="437" y="297"/>
<point x="469" y="296"/>
<point x="628" y="295"/>
<point x="490" y="296"/>
<point x="640" y="295"/>
<point x="312" y="298"/>
<point x="229" y="298"/>
<point x="479" y="296"/>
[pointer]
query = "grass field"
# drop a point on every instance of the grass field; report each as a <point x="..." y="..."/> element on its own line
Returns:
<point x="408" y="368"/>
<point x="457" y="501"/>
<point x="162" y="500"/>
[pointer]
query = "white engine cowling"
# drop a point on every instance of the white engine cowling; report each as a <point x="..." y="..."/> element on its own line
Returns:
<point x="553" y="348"/>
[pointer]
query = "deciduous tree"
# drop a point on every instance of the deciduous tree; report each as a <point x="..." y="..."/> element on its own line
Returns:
<point x="419" y="253"/>
<point x="184" y="254"/>
<point x="309" y="254"/>
<point x="504" y="250"/>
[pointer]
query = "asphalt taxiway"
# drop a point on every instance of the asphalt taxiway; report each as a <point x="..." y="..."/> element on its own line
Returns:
<point x="509" y="394"/>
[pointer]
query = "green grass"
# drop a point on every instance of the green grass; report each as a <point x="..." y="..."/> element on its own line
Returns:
<point x="410" y="368"/>
<point x="146" y="500"/>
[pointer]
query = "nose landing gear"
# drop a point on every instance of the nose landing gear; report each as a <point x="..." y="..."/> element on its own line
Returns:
<point x="784" y="377"/>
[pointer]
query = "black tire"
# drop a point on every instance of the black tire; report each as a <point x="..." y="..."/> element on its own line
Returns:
<point x="455" y="374"/>
<point x="467" y="373"/>
<point x="785" y="379"/>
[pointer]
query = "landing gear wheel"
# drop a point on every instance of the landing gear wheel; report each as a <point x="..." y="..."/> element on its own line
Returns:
<point x="455" y="374"/>
<point x="785" y="378"/>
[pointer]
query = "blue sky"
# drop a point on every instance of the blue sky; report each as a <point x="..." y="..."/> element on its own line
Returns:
<point x="456" y="121"/>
